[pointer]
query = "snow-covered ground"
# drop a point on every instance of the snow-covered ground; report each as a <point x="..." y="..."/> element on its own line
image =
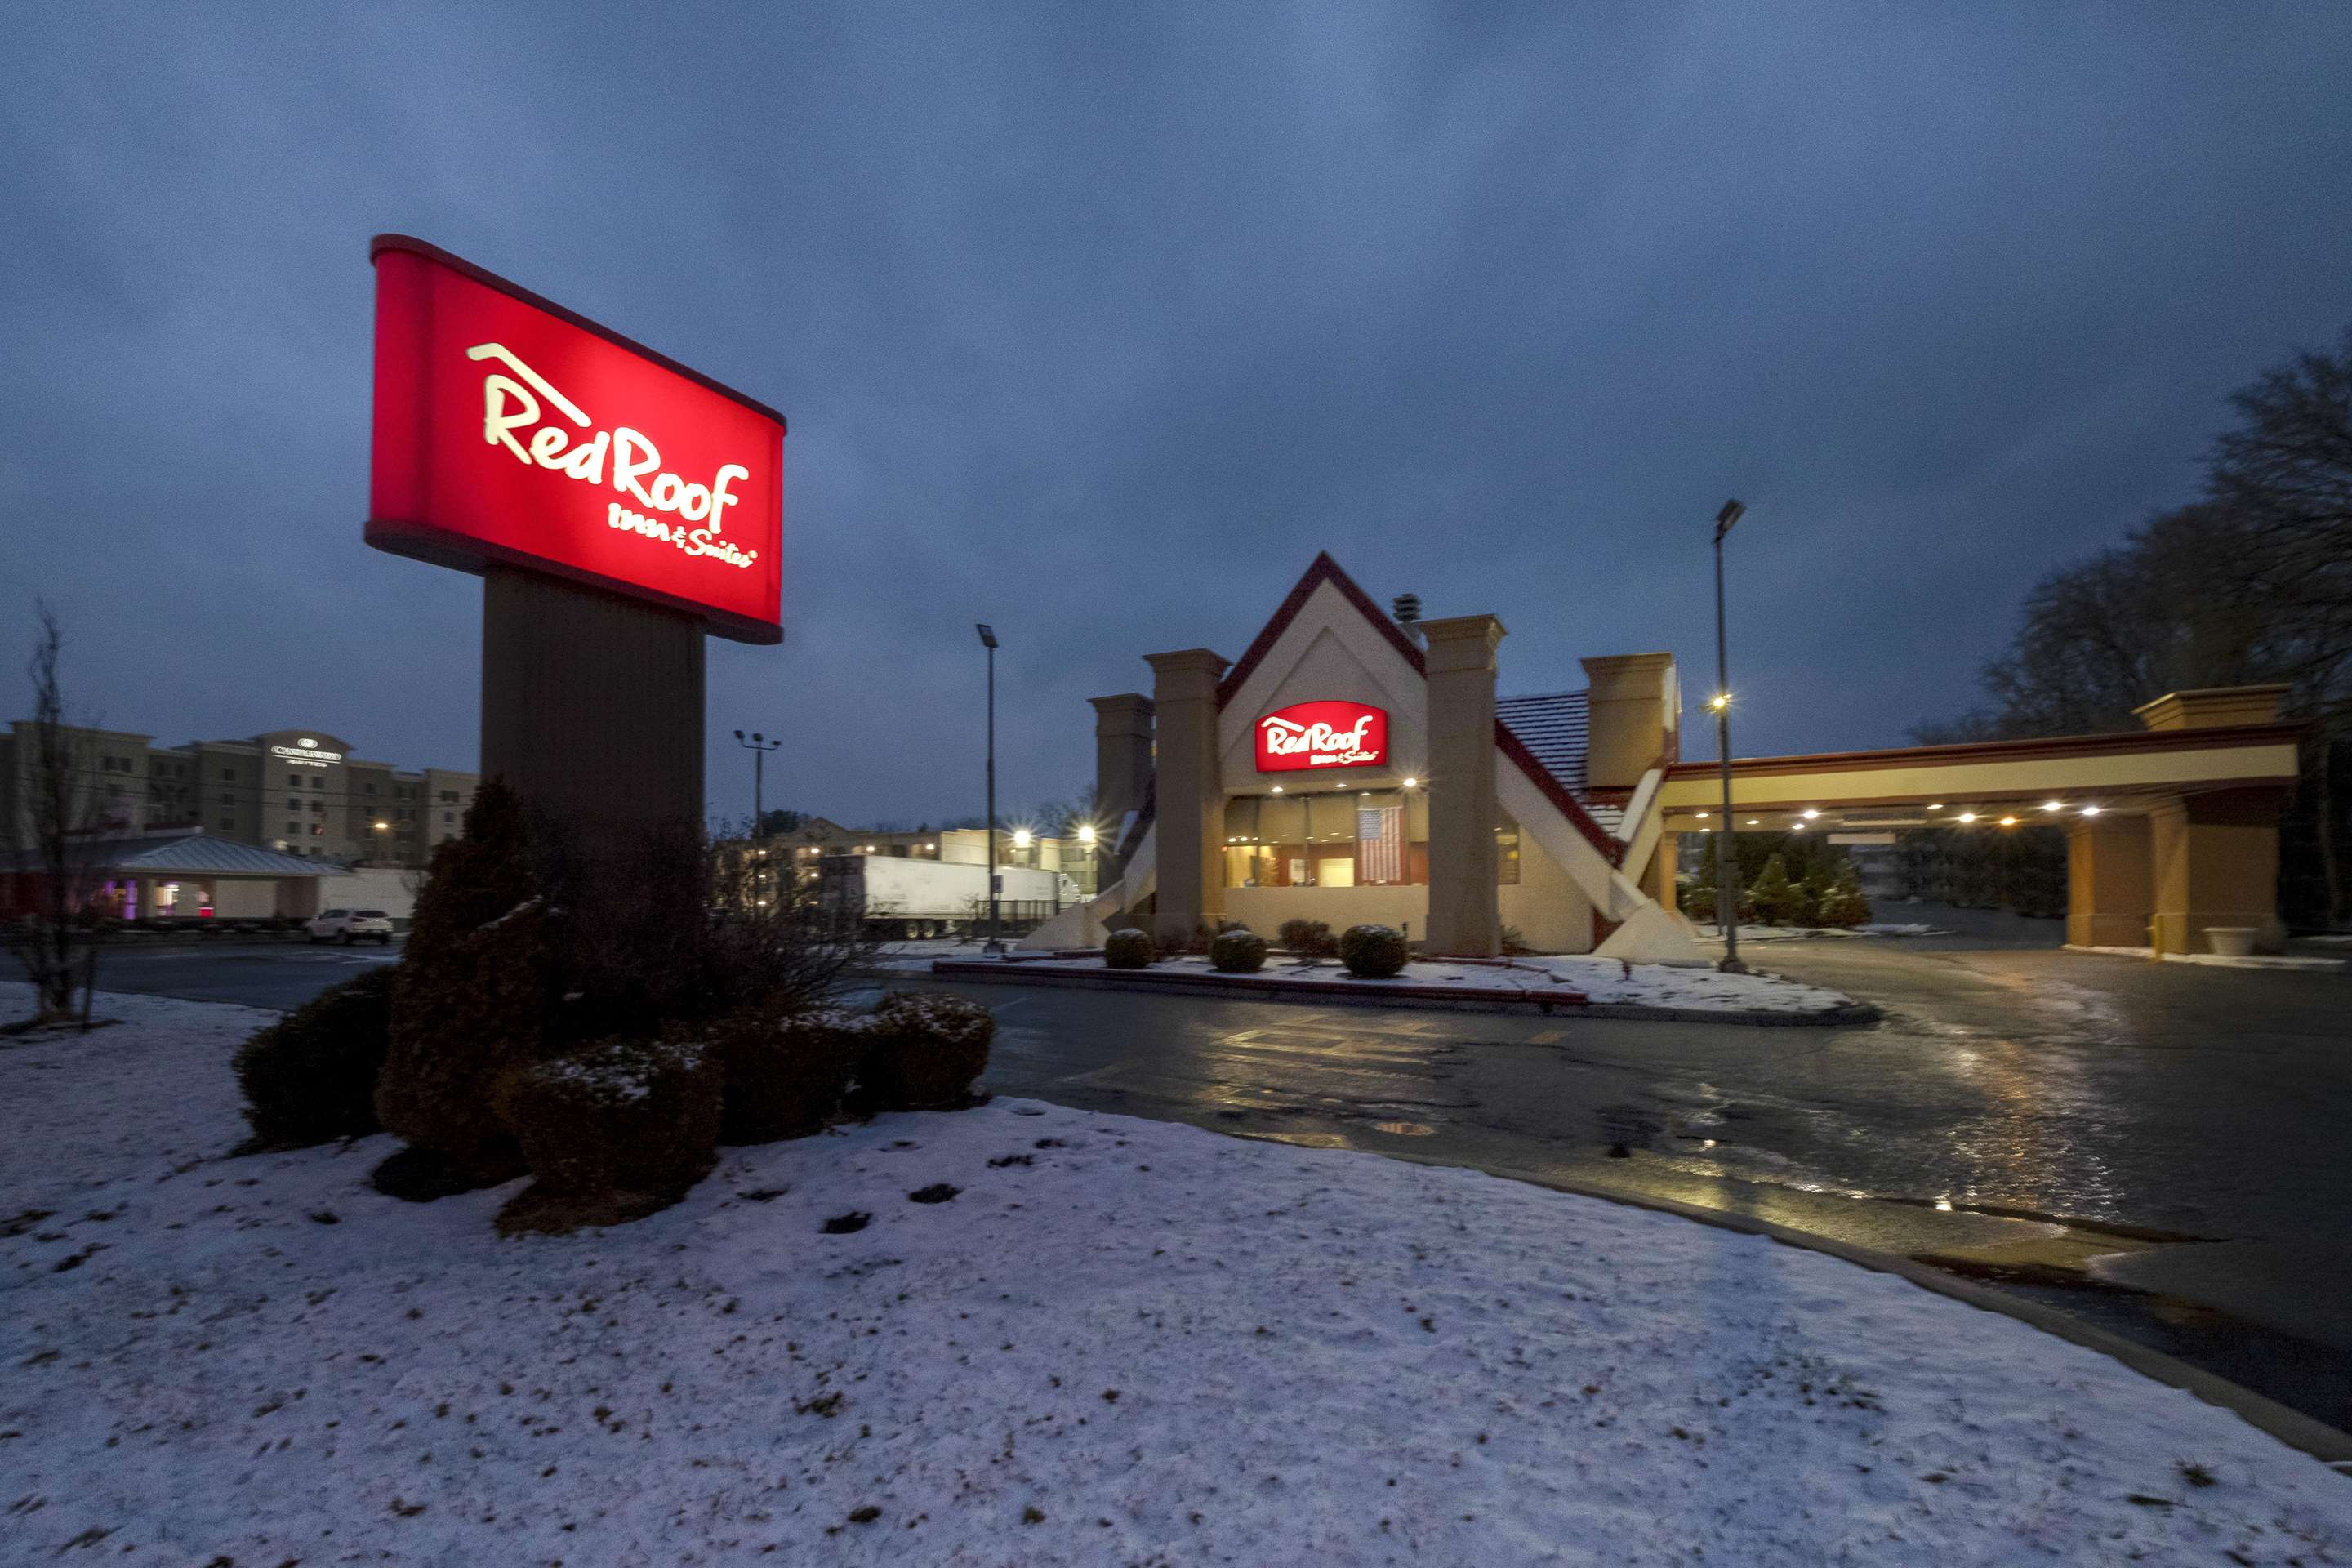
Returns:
<point x="1118" y="1341"/>
<point x="1603" y="981"/>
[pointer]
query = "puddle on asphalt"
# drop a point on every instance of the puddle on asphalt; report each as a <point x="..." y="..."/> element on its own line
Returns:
<point x="1405" y="1129"/>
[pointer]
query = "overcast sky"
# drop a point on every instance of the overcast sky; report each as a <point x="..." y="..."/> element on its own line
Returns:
<point x="1098" y="321"/>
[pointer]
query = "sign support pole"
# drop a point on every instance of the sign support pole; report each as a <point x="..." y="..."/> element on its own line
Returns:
<point x="592" y="707"/>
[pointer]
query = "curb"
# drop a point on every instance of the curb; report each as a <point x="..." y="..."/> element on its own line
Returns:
<point x="2322" y="1442"/>
<point x="1353" y="994"/>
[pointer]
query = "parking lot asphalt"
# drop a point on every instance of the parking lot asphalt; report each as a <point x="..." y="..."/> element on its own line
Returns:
<point x="2154" y="1148"/>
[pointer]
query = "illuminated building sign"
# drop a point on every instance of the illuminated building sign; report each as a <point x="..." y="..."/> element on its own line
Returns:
<point x="306" y="755"/>
<point x="1322" y="735"/>
<point x="509" y="430"/>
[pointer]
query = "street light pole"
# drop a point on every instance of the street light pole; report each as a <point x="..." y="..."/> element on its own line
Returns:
<point x="1727" y="863"/>
<point x="759" y="745"/>
<point x="995" y="932"/>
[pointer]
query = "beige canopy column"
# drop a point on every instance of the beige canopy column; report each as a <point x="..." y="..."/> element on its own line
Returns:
<point x="2109" y="892"/>
<point x="1189" y="815"/>
<point x="1465" y="910"/>
<point x="2215" y="859"/>
<point x="2214" y="856"/>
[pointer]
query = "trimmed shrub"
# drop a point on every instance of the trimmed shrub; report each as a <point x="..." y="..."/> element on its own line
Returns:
<point x="1372" y="951"/>
<point x="924" y="1050"/>
<point x="1238" y="951"/>
<point x="1128" y="949"/>
<point x="1308" y="939"/>
<point x="783" y="1074"/>
<point x="612" y="1130"/>
<point x="311" y="1076"/>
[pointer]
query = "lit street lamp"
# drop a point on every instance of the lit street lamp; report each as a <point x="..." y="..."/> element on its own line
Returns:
<point x="1727" y="863"/>
<point x="995" y="941"/>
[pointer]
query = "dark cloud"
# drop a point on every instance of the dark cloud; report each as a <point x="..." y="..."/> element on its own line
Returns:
<point x="1097" y="323"/>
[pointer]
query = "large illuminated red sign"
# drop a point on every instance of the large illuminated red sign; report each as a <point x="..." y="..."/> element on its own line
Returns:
<point x="510" y="430"/>
<point x="1331" y="734"/>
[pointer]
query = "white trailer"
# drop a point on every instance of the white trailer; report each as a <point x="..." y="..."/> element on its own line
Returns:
<point x="909" y="897"/>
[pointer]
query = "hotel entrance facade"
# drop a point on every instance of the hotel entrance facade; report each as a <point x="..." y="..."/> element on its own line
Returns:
<point x="1348" y="767"/>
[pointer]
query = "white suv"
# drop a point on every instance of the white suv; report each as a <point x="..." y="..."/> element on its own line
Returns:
<point x="350" y="925"/>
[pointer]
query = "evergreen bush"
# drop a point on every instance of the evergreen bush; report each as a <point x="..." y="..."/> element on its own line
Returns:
<point x="1128" y="949"/>
<point x="1308" y="939"/>
<point x="1372" y="951"/>
<point x="924" y="1051"/>
<point x="1774" y="898"/>
<point x="1843" y="902"/>
<point x="783" y="1073"/>
<point x="311" y="1076"/>
<point x="1239" y="952"/>
<point x="474" y="1001"/>
<point x="611" y="1131"/>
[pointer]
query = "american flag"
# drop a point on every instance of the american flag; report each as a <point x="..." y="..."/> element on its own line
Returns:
<point x="1379" y="844"/>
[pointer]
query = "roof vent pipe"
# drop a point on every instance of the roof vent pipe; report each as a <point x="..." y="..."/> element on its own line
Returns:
<point x="1406" y="607"/>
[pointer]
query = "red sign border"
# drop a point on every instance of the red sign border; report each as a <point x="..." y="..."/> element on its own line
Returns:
<point x="438" y="547"/>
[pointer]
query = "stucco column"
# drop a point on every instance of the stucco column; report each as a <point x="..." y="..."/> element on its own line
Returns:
<point x="1465" y="910"/>
<point x="1122" y="768"/>
<point x="2108" y="882"/>
<point x="2214" y="860"/>
<point x="1632" y="703"/>
<point x="1190" y="800"/>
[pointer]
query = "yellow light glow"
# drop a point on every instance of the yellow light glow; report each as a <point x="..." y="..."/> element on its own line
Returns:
<point x="1968" y="816"/>
<point x="1702" y="817"/>
<point x="1809" y="814"/>
<point x="1796" y="827"/>
<point x="1277" y="789"/>
<point x="1719" y="701"/>
<point x="1935" y="806"/>
<point x="1020" y="838"/>
<point x="1410" y="783"/>
<point x="2009" y="822"/>
<point x="2053" y="806"/>
<point x="1085" y="833"/>
<point x="382" y="825"/>
<point x="2090" y="811"/>
<point x="1751" y="822"/>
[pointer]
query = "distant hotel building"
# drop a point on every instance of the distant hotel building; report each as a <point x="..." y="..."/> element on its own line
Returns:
<point x="299" y="792"/>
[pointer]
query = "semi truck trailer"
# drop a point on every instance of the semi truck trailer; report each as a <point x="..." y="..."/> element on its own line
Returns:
<point x="902" y="897"/>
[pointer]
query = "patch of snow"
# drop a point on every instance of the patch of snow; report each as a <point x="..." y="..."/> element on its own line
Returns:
<point x="1713" y="935"/>
<point x="1603" y="980"/>
<point x="1116" y="1340"/>
<point x="151" y="1087"/>
<point x="2254" y="961"/>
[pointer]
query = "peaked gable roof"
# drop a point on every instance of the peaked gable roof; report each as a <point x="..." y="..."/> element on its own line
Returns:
<point x="1323" y="569"/>
<point x="1560" y="791"/>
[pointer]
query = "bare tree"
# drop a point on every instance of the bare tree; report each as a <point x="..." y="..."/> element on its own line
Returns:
<point x="52" y="807"/>
<point x="2286" y="468"/>
<point x="2253" y="585"/>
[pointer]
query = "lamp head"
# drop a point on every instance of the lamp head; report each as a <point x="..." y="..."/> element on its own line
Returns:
<point x="987" y="634"/>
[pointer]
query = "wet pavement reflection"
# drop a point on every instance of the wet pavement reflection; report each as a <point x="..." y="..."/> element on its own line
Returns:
<point x="2062" y="1125"/>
